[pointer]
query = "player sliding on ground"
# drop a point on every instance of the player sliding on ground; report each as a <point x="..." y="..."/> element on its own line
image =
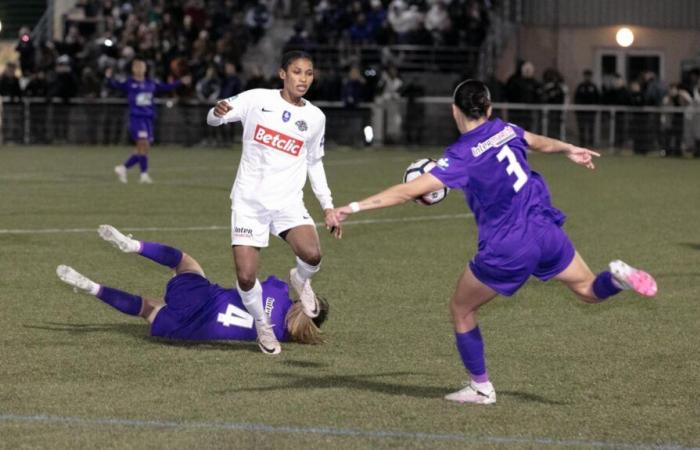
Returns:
<point x="192" y="307"/>
<point x="282" y="142"/>
<point x="520" y="231"/>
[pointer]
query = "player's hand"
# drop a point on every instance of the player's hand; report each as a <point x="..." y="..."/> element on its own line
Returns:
<point x="109" y="72"/>
<point x="582" y="156"/>
<point x="186" y="80"/>
<point x="332" y="223"/>
<point x="221" y="108"/>
<point x="343" y="213"/>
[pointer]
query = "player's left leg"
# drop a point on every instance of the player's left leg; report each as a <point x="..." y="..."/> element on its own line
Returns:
<point x="469" y="295"/>
<point x="595" y="288"/>
<point x="305" y="244"/>
<point x="129" y="304"/>
<point x="142" y="147"/>
<point x="163" y="254"/>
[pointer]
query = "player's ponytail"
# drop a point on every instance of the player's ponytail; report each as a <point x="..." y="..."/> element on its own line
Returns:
<point x="473" y="98"/>
<point x="302" y="328"/>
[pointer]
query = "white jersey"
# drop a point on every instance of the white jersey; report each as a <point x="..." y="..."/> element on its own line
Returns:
<point x="281" y="143"/>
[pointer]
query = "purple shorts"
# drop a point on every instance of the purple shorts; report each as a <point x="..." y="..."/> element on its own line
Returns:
<point x="141" y="128"/>
<point x="544" y="250"/>
<point x="187" y="298"/>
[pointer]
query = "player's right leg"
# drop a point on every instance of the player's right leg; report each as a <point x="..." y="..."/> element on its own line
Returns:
<point x="130" y="304"/>
<point x="469" y="295"/>
<point x="246" y="261"/>
<point x="250" y="231"/>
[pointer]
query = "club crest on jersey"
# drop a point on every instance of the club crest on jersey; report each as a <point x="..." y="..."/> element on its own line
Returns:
<point x="277" y="141"/>
<point x="301" y="125"/>
<point x="286" y="115"/>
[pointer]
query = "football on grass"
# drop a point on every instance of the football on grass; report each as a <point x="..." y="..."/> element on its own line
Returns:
<point x="418" y="168"/>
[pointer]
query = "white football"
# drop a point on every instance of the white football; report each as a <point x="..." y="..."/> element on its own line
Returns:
<point x="418" y="168"/>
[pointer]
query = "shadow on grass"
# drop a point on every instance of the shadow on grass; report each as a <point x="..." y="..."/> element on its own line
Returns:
<point x="140" y="331"/>
<point x="691" y="245"/>
<point x="370" y="383"/>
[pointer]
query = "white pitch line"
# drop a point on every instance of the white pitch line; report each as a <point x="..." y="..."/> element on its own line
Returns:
<point x="329" y="431"/>
<point x="226" y="227"/>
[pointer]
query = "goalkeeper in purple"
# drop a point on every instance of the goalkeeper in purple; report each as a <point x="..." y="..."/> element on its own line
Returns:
<point x="519" y="230"/>
<point x="193" y="308"/>
<point x="140" y="92"/>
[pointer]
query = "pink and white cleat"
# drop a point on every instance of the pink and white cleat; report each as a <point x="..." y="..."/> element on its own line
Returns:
<point x="630" y="278"/>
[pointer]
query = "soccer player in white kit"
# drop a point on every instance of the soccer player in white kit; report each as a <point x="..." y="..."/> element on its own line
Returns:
<point x="283" y="137"/>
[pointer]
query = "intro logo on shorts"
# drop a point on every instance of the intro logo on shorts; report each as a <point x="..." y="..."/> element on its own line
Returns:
<point x="277" y="140"/>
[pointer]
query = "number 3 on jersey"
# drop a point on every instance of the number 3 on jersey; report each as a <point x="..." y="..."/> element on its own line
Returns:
<point x="235" y="316"/>
<point x="513" y="167"/>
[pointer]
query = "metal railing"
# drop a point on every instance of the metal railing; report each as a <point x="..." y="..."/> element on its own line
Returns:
<point x="425" y="121"/>
<point x="104" y="122"/>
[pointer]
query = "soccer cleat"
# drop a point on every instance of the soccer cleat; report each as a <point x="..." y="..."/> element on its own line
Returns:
<point x="308" y="299"/>
<point x="630" y="278"/>
<point x="79" y="281"/>
<point x="471" y="394"/>
<point x="120" y="170"/>
<point x="145" y="178"/>
<point x="119" y="240"/>
<point x="267" y="341"/>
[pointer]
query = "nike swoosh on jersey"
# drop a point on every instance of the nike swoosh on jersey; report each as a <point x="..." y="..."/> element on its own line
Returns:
<point x="267" y="110"/>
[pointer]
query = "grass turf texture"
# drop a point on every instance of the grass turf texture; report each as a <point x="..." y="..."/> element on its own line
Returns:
<point x="624" y="373"/>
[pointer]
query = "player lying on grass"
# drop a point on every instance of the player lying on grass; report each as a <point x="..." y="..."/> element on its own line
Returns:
<point x="520" y="231"/>
<point x="194" y="308"/>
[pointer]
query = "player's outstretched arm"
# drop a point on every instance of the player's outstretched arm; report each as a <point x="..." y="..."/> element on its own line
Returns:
<point x="579" y="155"/>
<point x="395" y="195"/>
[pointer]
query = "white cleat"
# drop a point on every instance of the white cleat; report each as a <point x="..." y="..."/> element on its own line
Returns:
<point x="267" y="341"/>
<point x="630" y="278"/>
<point x="306" y="295"/>
<point x="80" y="282"/>
<point x="120" y="170"/>
<point x="145" y="178"/>
<point x="119" y="240"/>
<point x="484" y="395"/>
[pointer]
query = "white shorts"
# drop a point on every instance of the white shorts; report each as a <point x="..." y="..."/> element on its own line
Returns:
<point x="253" y="228"/>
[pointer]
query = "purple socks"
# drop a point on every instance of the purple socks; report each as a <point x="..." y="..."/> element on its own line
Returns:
<point x="123" y="301"/>
<point x="143" y="163"/>
<point x="133" y="159"/>
<point x="142" y="160"/>
<point x="162" y="254"/>
<point x="471" y="348"/>
<point x="603" y="286"/>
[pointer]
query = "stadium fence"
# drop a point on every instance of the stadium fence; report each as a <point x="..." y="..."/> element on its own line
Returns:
<point x="423" y="121"/>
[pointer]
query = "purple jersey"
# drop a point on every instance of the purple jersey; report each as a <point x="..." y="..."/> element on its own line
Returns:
<point x="199" y="310"/>
<point x="489" y="163"/>
<point x="140" y="94"/>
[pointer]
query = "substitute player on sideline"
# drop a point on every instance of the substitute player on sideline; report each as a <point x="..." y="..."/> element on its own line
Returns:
<point x="140" y="92"/>
<point x="519" y="230"/>
<point x="192" y="307"/>
<point x="283" y="137"/>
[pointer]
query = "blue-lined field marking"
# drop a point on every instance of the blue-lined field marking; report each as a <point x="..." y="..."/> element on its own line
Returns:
<point x="227" y="227"/>
<point x="328" y="431"/>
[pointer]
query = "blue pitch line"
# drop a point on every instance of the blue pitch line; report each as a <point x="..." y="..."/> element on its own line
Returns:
<point x="334" y="432"/>
<point x="227" y="227"/>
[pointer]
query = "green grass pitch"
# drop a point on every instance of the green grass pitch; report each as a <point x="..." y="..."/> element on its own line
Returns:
<point x="77" y="374"/>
